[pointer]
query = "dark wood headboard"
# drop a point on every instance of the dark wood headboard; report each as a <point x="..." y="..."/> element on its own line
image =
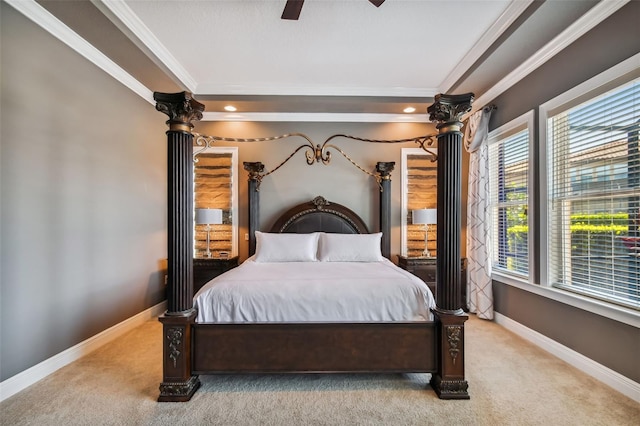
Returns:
<point x="320" y="215"/>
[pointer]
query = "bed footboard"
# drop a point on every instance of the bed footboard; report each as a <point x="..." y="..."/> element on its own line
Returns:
<point x="314" y="347"/>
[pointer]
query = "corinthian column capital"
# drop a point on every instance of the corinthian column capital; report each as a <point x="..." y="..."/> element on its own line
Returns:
<point x="181" y="108"/>
<point x="384" y="169"/>
<point x="447" y="111"/>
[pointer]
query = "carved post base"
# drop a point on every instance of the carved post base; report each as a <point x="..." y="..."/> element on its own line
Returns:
<point x="178" y="384"/>
<point x="179" y="391"/>
<point x="449" y="381"/>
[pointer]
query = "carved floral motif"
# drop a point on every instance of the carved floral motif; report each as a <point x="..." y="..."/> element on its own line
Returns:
<point x="454" y="335"/>
<point x="174" y="335"/>
<point x="320" y="202"/>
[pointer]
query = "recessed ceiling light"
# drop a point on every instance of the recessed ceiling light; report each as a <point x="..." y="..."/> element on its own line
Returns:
<point x="409" y="110"/>
<point x="230" y="108"/>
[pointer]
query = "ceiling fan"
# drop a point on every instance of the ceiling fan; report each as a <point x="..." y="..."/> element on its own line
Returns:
<point x="293" y="8"/>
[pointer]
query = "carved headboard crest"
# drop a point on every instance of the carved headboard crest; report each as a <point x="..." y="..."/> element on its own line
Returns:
<point x="320" y="202"/>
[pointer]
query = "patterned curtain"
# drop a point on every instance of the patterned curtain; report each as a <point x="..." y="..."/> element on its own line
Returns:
<point x="479" y="288"/>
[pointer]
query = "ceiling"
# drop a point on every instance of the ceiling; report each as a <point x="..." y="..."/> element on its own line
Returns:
<point x="341" y="60"/>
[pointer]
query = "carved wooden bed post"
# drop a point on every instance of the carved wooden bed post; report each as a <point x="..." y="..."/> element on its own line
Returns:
<point x="449" y="381"/>
<point x="254" y="169"/>
<point x="177" y="382"/>
<point x="384" y="171"/>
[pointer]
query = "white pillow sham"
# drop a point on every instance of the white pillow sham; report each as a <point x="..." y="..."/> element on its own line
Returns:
<point x="271" y="247"/>
<point x="350" y="247"/>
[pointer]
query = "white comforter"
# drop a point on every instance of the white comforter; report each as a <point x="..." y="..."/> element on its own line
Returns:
<point x="314" y="292"/>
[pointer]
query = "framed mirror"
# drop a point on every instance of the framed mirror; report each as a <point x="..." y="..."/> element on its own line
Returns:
<point x="216" y="202"/>
<point x="419" y="202"/>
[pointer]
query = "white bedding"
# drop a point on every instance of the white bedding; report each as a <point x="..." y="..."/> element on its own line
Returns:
<point x="314" y="292"/>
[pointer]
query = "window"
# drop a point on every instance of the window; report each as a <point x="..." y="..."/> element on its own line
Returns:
<point x="216" y="187"/>
<point x="509" y="181"/>
<point x="419" y="191"/>
<point x="593" y="196"/>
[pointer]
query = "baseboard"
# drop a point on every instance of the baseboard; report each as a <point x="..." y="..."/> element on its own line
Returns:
<point x="22" y="380"/>
<point x="598" y="371"/>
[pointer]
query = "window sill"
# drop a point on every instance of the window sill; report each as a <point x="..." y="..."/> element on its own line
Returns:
<point x="614" y="312"/>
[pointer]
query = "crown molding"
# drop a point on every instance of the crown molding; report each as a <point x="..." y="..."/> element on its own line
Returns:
<point x="283" y="90"/>
<point x="36" y="13"/>
<point x="55" y="27"/>
<point x="120" y="10"/>
<point x="588" y="21"/>
<point x="317" y="117"/>
<point x="504" y="21"/>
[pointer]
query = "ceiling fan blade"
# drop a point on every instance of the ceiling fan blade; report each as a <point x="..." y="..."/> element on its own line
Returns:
<point x="376" y="3"/>
<point x="292" y="10"/>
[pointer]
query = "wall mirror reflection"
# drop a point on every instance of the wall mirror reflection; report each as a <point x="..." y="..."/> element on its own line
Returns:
<point x="216" y="203"/>
<point x="419" y="202"/>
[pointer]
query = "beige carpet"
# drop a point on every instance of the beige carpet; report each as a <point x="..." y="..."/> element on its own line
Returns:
<point x="511" y="382"/>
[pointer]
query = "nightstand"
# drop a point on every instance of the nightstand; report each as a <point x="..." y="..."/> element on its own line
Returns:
<point x="206" y="269"/>
<point x="425" y="269"/>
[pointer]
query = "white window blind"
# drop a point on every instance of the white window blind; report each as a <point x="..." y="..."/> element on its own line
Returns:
<point x="509" y="199"/>
<point x="594" y="196"/>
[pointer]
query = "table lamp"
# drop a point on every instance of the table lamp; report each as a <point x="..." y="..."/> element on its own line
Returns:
<point x="208" y="217"/>
<point x="425" y="217"/>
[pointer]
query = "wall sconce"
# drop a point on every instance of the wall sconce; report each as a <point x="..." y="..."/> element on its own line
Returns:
<point x="208" y="217"/>
<point x="425" y="217"/>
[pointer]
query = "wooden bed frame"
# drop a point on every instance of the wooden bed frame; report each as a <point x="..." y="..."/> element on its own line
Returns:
<point x="190" y="348"/>
<point x="315" y="347"/>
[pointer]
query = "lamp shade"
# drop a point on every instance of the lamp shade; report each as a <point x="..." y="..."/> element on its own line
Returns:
<point x="425" y="217"/>
<point x="208" y="216"/>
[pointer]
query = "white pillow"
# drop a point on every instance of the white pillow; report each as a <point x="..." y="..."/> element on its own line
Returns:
<point x="350" y="247"/>
<point x="286" y="247"/>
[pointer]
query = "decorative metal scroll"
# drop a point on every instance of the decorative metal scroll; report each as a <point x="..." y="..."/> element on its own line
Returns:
<point x="314" y="154"/>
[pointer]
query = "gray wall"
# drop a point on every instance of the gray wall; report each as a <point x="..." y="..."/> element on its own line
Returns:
<point x="613" y="344"/>
<point x="83" y="190"/>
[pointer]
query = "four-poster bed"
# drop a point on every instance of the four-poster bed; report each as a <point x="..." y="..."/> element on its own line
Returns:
<point x="435" y="346"/>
